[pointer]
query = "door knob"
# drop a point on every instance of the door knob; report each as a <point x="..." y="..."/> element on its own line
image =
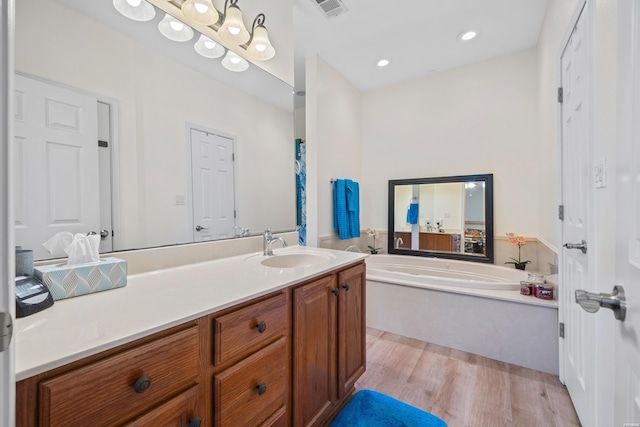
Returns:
<point x="104" y="234"/>
<point x="582" y="246"/>
<point x="200" y="228"/>
<point x="616" y="301"/>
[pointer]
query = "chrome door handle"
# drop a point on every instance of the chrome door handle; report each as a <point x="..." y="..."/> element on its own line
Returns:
<point x="616" y="301"/>
<point x="200" y="228"/>
<point x="104" y="234"/>
<point x="582" y="246"/>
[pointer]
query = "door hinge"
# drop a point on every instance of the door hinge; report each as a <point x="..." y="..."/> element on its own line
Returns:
<point x="233" y="157"/>
<point x="104" y="144"/>
<point x="234" y="214"/>
<point x="561" y="330"/>
<point x="560" y="95"/>
<point x="6" y="331"/>
<point x="561" y="212"/>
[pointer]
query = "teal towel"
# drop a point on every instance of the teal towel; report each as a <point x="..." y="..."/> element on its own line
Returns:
<point x="372" y="409"/>
<point x="346" y="208"/>
<point x="353" y="207"/>
<point x="412" y="213"/>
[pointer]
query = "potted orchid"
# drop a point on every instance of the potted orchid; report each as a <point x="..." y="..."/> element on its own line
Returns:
<point x="520" y="241"/>
<point x="372" y="248"/>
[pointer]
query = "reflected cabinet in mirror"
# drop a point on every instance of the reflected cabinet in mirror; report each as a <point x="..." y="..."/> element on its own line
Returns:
<point x="188" y="150"/>
<point x="444" y="217"/>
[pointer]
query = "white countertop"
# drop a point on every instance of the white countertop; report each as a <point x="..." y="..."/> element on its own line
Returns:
<point x="78" y="327"/>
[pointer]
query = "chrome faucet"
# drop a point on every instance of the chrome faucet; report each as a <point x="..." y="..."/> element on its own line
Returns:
<point x="353" y="247"/>
<point x="399" y="242"/>
<point x="268" y="241"/>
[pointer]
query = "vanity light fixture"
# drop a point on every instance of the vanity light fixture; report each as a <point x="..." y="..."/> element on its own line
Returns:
<point x="232" y="29"/>
<point x="234" y="62"/>
<point x="175" y="30"/>
<point x="137" y="10"/>
<point x="382" y="62"/>
<point x="208" y="48"/>
<point x="468" y="35"/>
<point x="200" y="11"/>
<point x="260" y="47"/>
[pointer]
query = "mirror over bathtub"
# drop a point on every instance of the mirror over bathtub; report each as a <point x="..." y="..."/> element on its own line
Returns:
<point x="443" y="217"/>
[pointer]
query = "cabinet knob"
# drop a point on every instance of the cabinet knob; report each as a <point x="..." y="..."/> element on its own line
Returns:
<point x="261" y="326"/>
<point x="336" y="291"/>
<point x="142" y="384"/>
<point x="346" y="287"/>
<point x="195" y="422"/>
<point x="262" y="388"/>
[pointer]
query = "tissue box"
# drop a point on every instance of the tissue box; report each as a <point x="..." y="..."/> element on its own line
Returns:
<point x="67" y="281"/>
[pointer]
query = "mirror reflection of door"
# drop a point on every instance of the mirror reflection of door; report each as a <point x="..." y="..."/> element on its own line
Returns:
<point x="474" y="222"/>
<point x="213" y="197"/>
<point x="57" y="163"/>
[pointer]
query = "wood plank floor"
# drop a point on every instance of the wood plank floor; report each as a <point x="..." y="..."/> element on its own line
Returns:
<point x="462" y="388"/>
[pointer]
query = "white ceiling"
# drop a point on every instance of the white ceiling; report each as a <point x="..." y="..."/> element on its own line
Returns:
<point x="419" y="37"/>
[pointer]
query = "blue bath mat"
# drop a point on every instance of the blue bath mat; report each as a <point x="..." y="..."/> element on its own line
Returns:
<point x="369" y="408"/>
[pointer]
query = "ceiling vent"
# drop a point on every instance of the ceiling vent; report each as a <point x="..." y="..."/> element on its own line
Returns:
<point x="331" y="8"/>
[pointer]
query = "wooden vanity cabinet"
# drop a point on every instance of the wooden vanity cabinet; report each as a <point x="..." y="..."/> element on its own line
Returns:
<point x="152" y="381"/>
<point x="287" y="358"/>
<point x="252" y="358"/>
<point x="328" y="344"/>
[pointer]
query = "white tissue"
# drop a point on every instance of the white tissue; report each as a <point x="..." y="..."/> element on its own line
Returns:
<point x="80" y="248"/>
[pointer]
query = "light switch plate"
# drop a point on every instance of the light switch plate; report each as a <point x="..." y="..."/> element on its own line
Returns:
<point x="601" y="173"/>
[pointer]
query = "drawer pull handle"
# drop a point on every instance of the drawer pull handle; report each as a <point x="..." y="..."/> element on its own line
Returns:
<point x="262" y="388"/>
<point x="336" y="291"/>
<point x="142" y="384"/>
<point x="261" y="326"/>
<point x="346" y="287"/>
<point x="195" y="422"/>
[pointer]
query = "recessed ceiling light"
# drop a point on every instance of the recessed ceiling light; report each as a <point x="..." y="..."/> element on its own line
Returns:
<point x="382" y="62"/>
<point x="468" y="35"/>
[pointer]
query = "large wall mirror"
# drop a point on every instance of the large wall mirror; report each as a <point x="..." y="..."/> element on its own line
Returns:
<point x="161" y="108"/>
<point x="445" y="217"/>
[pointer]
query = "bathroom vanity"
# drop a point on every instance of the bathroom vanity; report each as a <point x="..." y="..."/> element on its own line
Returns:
<point x="277" y="346"/>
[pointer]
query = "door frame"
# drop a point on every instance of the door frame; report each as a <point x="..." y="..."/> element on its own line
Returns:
<point x="189" y="126"/>
<point x="7" y="252"/>
<point x="114" y="147"/>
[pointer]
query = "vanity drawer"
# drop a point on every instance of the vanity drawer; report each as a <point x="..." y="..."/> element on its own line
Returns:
<point x="243" y="331"/>
<point x="109" y="391"/>
<point x="252" y="391"/>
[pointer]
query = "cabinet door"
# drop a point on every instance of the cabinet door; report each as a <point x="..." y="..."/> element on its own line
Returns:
<point x="181" y="411"/>
<point x="315" y="340"/>
<point x="351" y="328"/>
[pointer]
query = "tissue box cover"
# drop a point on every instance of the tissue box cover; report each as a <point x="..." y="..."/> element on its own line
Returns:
<point x="67" y="281"/>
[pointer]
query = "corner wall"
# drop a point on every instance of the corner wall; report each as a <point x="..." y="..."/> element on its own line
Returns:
<point x="334" y="143"/>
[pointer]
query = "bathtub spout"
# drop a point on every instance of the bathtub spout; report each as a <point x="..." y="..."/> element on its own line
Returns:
<point x="357" y="249"/>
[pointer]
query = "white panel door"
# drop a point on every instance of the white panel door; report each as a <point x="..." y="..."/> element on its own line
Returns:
<point x="578" y="358"/>
<point x="55" y="163"/>
<point x="213" y="186"/>
<point x="627" y="333"/>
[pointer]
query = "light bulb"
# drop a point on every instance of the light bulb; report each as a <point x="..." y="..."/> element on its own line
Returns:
<point x="235" y="59"/>
<point x="134" y="3"/>
<point x="261" y="47"/>
<point x="201" y="8"/>
<point x="209" y="44"/>
<point x="176" y="25"/>
<point x="234" y="30"/>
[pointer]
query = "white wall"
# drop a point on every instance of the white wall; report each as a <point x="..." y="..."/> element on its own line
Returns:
<point x="157" y="97"/>
<point x="476" y="119"/>
<point x="334" y="147"/>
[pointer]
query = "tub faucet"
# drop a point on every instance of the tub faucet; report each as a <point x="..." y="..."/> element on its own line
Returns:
<point x="268" y="241"/>
<point x="357" y="249"/>
<point x="399" y="242"/>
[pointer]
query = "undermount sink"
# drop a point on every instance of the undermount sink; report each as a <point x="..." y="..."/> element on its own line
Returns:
<point x="295" y="260"/>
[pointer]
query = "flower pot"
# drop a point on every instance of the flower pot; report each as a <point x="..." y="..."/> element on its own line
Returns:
<point x="520" y="266"/>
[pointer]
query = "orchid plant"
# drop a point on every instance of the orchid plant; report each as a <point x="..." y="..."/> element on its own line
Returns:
<point x="520" y="241"/>
<point x="372" y="248"/>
